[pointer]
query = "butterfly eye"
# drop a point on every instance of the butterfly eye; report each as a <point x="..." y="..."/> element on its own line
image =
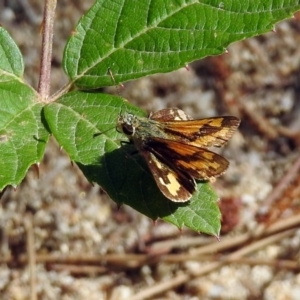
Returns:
<point x="125" y="124"/>
<point x="128" y="129"/>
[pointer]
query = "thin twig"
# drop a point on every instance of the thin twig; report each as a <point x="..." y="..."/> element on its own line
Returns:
<point x="134" y="260"/>
<point x="159" y="288"/>
<point x="276" y="194"/>
<point x="261" y="243"/>
<point x="79" y="270"/>
<point x="86" y="270"/>
<point x="237" y="241"/>
<point x="262" y="124"/>
<point x="46" y="55"/>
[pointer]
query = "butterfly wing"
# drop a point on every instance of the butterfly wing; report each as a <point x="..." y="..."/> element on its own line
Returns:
<point x="170" y="114"/>
<point x="198" y="163"/>
<point x="176" y="185"/>
<point x="202" y="133"/>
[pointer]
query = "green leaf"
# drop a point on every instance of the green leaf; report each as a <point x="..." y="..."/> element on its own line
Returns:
<point x="138" y="38"/>
<point x="84" y="124"/>
<point x="11" y="61"/>
<point x="23" y="136"/>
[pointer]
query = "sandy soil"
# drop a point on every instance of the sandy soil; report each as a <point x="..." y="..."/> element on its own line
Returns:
<point x="86" y="247"/>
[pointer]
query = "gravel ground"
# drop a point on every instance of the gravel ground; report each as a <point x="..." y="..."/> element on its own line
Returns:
<point x="88" y="248"/>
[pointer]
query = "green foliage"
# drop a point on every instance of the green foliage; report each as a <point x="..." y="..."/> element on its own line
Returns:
<point x="138" y="38"/>
<point x="23" y="136"/>
<point x="132" y="39"/>
<point x="85" y="125"/>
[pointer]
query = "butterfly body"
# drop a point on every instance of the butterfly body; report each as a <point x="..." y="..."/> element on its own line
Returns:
<point x="175" y="148"/>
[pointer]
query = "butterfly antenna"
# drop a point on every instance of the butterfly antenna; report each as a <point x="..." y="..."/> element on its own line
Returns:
<point x="102" y="132"/>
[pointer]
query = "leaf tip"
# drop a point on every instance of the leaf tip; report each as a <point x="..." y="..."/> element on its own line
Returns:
<point x="154" y="222"/>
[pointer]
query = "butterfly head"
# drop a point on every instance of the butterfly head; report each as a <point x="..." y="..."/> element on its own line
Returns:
<point x="127" y="124"/>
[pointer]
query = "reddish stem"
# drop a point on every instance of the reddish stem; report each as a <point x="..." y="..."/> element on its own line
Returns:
<point x="46" y="56"/>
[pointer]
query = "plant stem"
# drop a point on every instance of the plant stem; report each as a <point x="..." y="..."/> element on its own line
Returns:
<point x="46" y="56"/>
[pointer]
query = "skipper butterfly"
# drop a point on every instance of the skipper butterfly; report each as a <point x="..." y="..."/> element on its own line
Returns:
<point x="175" y="148"/>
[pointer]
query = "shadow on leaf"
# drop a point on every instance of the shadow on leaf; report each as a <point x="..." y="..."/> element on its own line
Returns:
<point x="127" y="180"/>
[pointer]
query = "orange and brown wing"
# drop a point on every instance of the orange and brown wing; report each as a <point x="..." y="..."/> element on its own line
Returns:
<point x="202" y="133"/>
<point x="176" y="185"/>
<point x="198" y="163"/>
